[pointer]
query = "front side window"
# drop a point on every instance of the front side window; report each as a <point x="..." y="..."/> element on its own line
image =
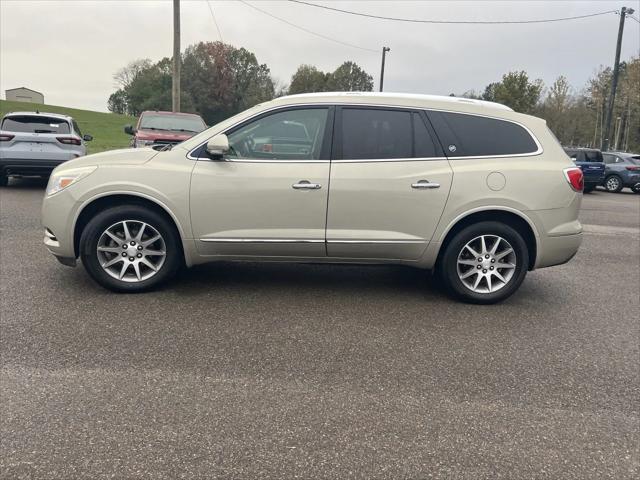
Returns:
<point x="466" y="135"/>
<point x="287" y="135"/>
<point x="34" y="124"/>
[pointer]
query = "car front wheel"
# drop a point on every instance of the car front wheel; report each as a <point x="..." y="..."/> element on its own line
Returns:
<point x="484" y="263"/>
<point x="613" y="184"/>
<point x="130" y="248"/>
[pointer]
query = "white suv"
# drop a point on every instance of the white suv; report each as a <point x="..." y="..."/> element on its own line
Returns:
<point x="34" y="143"/>
<point x="470" y="189"/>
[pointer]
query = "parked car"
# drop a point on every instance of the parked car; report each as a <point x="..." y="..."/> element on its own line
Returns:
<point x="591" y="163"/>
<point x="164" y="128"/>
<point x="472" y="190"/>
<point x="34" y="143"/>
<point x="622" y="170"/>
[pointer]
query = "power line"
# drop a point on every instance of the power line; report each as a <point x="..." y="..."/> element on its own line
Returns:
<point x="215" y="21"/>
<point x="631" y="16"/>
<point x="463" y="22"/>
<point x="308" y="31"/>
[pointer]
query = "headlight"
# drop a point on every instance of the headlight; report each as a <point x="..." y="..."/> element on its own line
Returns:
<point x="60" y="181"/>
<point x="143" y="143"/>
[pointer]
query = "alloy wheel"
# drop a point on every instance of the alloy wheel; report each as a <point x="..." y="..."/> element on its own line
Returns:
<point x="486" y="264"/>
<point x="131" y="251"/>
<point x="613" y="184"/>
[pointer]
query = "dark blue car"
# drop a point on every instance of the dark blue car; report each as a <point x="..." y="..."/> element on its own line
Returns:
<point x="622" y="170"/>
<point x="592" y="165"/>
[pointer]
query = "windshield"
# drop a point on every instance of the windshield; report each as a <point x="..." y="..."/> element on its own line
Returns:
<point x="177" y="123"/>
<point x="34" y="124"/>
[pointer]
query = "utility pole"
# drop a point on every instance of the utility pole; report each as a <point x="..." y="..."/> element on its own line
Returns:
<point x="624" y="11"/>
<point x="175" y="90"/>
<point x="384" y="54"/>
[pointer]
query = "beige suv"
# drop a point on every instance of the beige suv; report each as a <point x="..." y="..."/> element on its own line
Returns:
<point x="470" y="189"/>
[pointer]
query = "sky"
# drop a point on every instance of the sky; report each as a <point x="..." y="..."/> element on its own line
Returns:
<point x="69" y="50"/>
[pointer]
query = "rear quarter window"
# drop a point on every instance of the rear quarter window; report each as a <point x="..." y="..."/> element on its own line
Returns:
<point x="35" y="124"/>
<point x="465" y="135"/>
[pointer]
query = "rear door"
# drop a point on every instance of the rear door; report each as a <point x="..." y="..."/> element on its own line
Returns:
<point x="388" y="186"/>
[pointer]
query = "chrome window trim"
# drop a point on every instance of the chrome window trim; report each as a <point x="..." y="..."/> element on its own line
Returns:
<point x="349" y="104"/>
<point x="373" y="160"/>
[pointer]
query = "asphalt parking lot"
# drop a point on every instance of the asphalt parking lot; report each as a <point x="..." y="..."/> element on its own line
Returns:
<point x="309" y="371"/>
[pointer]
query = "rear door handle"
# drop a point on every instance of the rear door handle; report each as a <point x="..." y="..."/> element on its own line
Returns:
<point x="425" y="184"/>
<point x="306" y="185"/>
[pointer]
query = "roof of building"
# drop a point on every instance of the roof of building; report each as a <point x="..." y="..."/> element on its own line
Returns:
<point x="23" y="88"/>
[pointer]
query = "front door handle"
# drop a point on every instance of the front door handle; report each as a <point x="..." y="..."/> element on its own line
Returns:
<point x="306" y="185"/>
<point x="425" y="184"/>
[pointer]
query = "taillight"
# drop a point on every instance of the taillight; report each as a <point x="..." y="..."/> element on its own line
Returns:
<point x="575" y="178"/>
<point x="69" y="140"/>
<point x="5" y="137"/>
<point x="633" y="169"/>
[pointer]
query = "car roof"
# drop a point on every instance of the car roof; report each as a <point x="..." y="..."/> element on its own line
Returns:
<point x="46" y="114"/>
<point x="398" y="99"/>
<point x="583" y="149"/>
<point x="164" y="112"/>
<point x="621" y="154"/>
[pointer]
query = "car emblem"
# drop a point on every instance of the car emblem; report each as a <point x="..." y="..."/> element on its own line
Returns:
<point x="452" y="148"/>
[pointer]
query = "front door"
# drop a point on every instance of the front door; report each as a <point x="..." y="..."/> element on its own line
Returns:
<point x="268" y="196"/>
<point x="389" y="184"/>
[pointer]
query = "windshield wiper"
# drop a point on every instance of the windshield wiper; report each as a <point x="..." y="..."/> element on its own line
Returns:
<point x="183" y="130"/>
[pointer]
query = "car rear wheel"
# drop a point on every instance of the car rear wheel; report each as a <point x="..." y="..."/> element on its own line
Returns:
<point x="130" y="249"/>
<point x="3" y="180"/>
<point x="484" y="263"/>
<point x="613" y="183"/>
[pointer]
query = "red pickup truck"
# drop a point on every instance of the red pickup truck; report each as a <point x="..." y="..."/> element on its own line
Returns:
<point x="164" y="128"/>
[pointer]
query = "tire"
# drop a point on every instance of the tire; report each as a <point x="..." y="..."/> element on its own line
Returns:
<point x="4" y="180"/>
<point x="589" y="189"/>
<point x="452" y="273"/>
<point x="636" y="188"/>
<point x="164" y="254"/>
<point x="613" y="183"/>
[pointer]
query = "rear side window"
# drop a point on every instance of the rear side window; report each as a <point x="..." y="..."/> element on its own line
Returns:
<point x="465" y="135"/>
<point x="376" y="134"/>
<point x="35" y="124"/>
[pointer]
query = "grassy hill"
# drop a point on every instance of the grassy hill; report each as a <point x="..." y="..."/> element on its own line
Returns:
<point x="106" y="128"/>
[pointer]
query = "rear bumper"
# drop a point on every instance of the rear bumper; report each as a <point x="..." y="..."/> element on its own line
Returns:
<point x="20" y="166"/>
<point x="558" y="250"/>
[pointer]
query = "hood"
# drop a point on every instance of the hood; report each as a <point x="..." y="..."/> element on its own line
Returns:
<point x="163" y="135"/>
<point x="128" y="156"/>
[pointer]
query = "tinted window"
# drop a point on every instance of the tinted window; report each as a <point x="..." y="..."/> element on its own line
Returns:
<point x="471" y="135"/>
<point x="77" y="128"/>
<point x="592" y="156"/>
<point x="376" y="134"/>
<point x="289" y="135"/>
<point x="423" y="143"/>
<point x="35" y="124"/>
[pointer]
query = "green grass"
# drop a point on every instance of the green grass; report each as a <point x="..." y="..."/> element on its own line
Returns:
<point x="106" y="128"/>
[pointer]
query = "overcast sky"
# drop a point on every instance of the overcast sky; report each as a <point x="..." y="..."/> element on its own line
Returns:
<point x="70" y="50"/>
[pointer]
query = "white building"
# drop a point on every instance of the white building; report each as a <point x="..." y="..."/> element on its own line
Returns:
<point x="24" y="94"/>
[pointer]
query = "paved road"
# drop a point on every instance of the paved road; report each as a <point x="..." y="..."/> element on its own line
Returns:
<point x="286" y="371"/>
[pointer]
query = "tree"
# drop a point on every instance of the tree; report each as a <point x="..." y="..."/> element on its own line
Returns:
<point x="349" y="77"/>
<point x="516" y="91"/>
<point x="556" y="110"/>
<point x="118" y="102"/>
<point x="308" y="79"/>
<point x="126" y="75"/>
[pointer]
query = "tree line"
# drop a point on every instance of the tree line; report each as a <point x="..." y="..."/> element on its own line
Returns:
<point x="219" y="80"/>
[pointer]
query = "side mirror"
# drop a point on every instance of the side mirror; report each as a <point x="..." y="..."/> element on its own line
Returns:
<point x="218" y="146"/>
<point x="87" y="137"/>
<point x="129" y="130"/>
